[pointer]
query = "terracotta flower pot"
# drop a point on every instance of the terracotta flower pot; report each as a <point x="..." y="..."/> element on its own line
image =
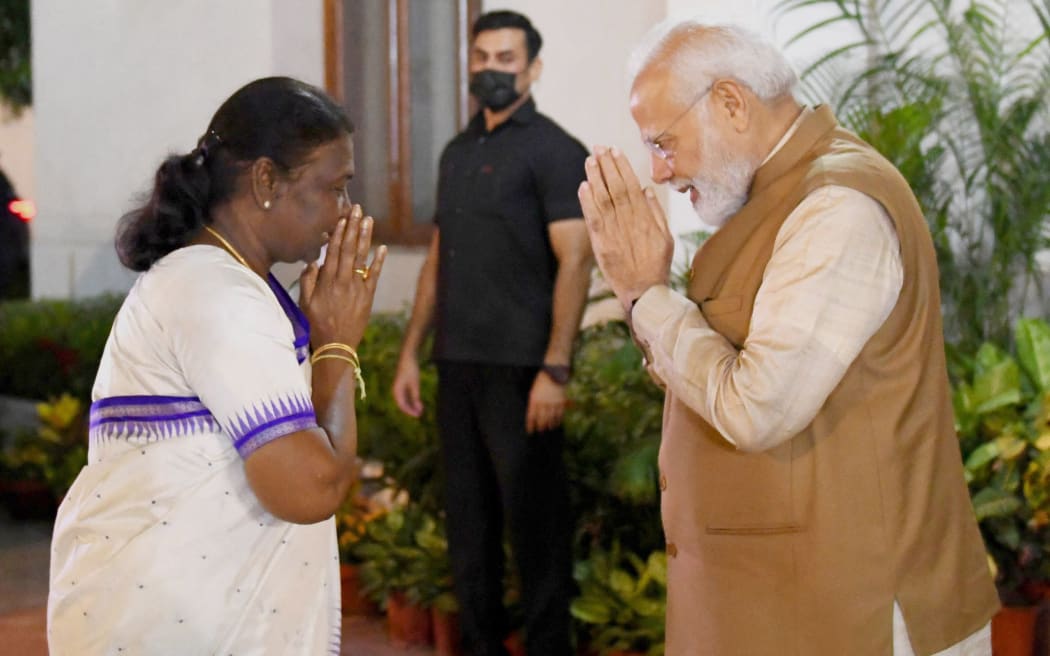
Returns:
<point x="27" y="499"/>
<point x="353" y="601"/>
<point x="515" y="645"/>
<point x="1013" y="631"/>
<point x="1035" y="591"/>
<point x="407" y="625"/>
<point x="446" y="633"/>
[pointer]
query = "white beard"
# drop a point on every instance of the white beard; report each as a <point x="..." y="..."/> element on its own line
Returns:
<point x="722" y="192"/>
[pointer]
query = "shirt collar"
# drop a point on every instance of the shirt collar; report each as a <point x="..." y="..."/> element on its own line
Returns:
<point x="522" y="115"/>
<point x="787" y="135"/>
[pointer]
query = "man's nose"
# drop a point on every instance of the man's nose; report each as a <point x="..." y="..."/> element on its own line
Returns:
<point x="659" y="169"/>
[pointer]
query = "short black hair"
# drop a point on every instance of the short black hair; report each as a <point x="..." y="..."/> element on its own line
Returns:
<point x="498" y="20"/>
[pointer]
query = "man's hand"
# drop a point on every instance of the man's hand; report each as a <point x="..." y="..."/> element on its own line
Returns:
<point x="406" y="387"/>
<point x="628" y="229"/>
<point x="546" y="405"/>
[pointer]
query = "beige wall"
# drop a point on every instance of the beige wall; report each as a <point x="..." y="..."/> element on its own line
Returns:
<point x="118" y="85"/>
<point x="586" y="47"/>
<point x="584" y="86"/>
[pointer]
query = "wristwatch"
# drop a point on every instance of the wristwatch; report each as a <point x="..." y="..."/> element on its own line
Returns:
<point x="559" y="373"/>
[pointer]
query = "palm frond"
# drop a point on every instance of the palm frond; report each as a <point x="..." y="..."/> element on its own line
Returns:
<point x="951" y="93"/>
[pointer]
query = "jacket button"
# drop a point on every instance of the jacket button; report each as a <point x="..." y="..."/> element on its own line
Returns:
<point x="663" y="482"/>
<point x="672" y="550"/>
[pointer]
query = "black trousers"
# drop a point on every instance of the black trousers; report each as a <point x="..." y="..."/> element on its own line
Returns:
<point x="496" y="472"/>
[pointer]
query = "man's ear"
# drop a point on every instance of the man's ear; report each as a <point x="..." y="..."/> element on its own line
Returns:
<point x="534" y="70"/>
<point x="730" y="98"/>
<point x="266" y="182"/>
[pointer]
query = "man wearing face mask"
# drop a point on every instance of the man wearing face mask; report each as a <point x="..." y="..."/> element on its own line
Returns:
<point x="504" y="283"/>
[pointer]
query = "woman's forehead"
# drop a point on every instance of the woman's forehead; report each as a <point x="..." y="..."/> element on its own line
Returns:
<point x="332" y="157"/>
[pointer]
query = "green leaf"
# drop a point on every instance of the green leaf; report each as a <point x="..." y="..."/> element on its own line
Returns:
<point x="1011" y="447"/>
<point x="621" y="582"/>
<point x="446" y="602"/>
<point x="982" y="455"/>
<point x="367" y="551"/>
<point x="394" y="521"/>
<point x="992" y="502"/>
<point x="1004" y="530"/>
<point x="582" y="571"/>
<point x="657" y="567"/>
<point x="998" y="386"/>
<point x="431" y="541"/>
<point x="648" y="607"/>
<point x="966" y="418"/>
<point x="634" y="475"/>
<point x="1033" y="350"/>
<point x="590" y="610"/>
<point x="988" y="356"/>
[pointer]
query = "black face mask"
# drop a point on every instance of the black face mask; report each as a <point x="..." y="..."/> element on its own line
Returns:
<point x="494" y="89"/>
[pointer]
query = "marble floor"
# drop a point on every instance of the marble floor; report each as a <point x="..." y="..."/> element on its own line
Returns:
<point x="23" y="596"/>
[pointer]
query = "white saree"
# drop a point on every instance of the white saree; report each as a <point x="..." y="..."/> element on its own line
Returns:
<point x="160" y="546"/>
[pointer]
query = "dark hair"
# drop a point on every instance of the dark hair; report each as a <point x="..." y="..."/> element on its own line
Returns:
<point x="498" y="20"/>
<point x="275" y="117"/>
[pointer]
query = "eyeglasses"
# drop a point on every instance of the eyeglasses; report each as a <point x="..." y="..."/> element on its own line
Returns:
<point x="662" y="152"/>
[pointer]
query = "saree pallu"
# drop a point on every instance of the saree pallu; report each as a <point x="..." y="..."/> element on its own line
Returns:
<point x="160" y="546"/>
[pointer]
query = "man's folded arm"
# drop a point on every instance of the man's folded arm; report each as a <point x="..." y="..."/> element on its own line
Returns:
<point x="834" y="277"/>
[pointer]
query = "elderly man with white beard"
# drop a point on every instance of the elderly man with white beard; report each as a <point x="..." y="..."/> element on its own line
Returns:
<point x="813" y="495"/>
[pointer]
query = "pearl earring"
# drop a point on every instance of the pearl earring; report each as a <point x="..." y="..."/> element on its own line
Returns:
<point x="266" y="204"/>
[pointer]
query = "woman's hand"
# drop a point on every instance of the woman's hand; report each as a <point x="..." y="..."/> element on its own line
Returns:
<point x="337" y="296"/>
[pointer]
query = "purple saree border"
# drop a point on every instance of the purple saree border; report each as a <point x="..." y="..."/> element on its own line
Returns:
<point x="184" y="415"/>
<point x="148" y="417"/>
<point x="145" y="399"/>
<point x="152" y="418"/>
<point x="276" y="429"/>
<point x="300" y="324"/>
<point x="271" y="420"/>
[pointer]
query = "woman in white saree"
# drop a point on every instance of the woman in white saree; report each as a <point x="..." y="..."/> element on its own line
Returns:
<point x="219" y="446"/>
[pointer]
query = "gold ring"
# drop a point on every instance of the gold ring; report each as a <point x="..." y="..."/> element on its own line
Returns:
<point x="362" y="272"/>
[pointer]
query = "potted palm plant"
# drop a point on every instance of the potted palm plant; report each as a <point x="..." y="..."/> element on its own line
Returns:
<point x="957" y="96"/>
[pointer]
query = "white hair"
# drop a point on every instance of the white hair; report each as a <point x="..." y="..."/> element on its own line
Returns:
<point x="698" y="54"/>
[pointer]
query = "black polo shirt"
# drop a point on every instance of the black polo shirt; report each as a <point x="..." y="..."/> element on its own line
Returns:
<point x="497" y="193"/>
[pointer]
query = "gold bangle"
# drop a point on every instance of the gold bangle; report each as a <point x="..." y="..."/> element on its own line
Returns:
<point x="332" y="346"/>
<point x="333" y="356"/>
<point x="350" y="357"/>
<point x="335" y="346"/>
<point x="358" y="378"/>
